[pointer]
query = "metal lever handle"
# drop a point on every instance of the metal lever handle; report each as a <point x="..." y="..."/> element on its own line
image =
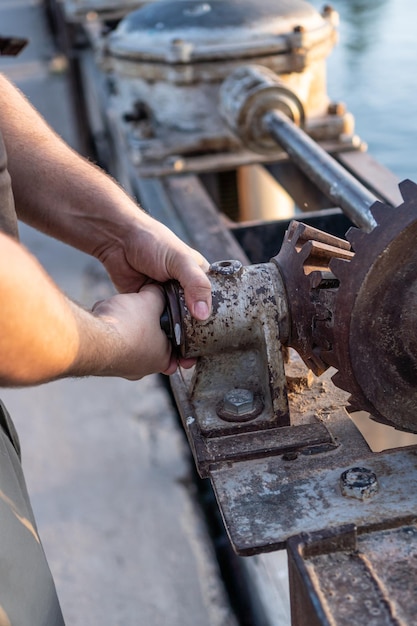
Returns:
<point x="171" y="318"/>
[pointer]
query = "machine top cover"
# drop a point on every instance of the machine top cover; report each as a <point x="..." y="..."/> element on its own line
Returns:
<point x="186" y="31"/>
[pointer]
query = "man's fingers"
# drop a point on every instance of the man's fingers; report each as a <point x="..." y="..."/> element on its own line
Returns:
<point x="197" y="288"/>
<point x="198" y="299"/>
<point x="187" y="363"/>
<point x="200" y="310"/>
<point x="172" y="367"/>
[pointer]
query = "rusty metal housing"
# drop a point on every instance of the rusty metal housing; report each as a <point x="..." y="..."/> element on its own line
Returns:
<point x="170" y="59"/>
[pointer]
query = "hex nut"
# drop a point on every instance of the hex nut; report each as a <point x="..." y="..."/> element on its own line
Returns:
<point x="359" y="482"/>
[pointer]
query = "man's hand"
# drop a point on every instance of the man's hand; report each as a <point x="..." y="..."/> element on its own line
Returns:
<point x="150" y="250"/>
<point x="133" y="319"/>
<point x="47" y="336"/>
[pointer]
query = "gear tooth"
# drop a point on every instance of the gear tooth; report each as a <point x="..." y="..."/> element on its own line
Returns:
<point x="329" y="357"/>
<point x="340" y="268"/>
<point x="339" y="380"/>
<point x="408" y="190"/>
<point x="380" y="211"/>
<point x="305" y="251"/>
<point x="355" y="236"/>
<point x="315" y="279"/>
<point x="354" y="405"/>
<point x="289" y="233"/>
<point x="316" y="365"/>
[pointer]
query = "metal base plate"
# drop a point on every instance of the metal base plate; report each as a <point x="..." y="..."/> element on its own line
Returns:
<point x="266" y="501"/>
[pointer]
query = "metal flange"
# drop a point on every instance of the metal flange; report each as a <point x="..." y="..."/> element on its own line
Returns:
<point x="247" y="95"/>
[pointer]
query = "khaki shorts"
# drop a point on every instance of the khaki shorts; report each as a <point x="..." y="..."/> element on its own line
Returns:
<point x="27" y="591"/>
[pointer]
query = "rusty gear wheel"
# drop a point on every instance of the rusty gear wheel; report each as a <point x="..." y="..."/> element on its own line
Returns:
<point x="375" y="314"/>
<point x="311" y="289"/>
<point x="357" y="310"/>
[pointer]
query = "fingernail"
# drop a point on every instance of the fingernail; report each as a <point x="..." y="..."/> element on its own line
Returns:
<point x="201" y="310"/>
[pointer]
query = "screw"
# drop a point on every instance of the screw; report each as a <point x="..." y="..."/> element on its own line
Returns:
<point x="238" y="402"/>
<point x="359" y="482"/>
<point x="336" y="108"/>
<point x="181" y="50"/>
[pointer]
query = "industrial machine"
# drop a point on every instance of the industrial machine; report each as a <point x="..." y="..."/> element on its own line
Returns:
<point x="184" y="101"/>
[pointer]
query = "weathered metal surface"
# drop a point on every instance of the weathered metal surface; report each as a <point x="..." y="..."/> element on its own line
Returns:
<point x="222" y="449"/>
<point x="346" y="576"/>
<point x="157" y="160"/>
<point x="310" y="286"/>
<point x="183" y="31"/>
<point x="354" y="309"/>
<point x="270" y="488"/>
<point x="171" y="58"/>
<point x="378" y="179"/>
<point x="240" y="348"/>
<point x="252" y="91"/>
<point x="338" y="184"/>
<point x="255" y="520"/>
<point x="374" y="316"/>
<point x="245" y="96"/>
<point x="265" y="502"/>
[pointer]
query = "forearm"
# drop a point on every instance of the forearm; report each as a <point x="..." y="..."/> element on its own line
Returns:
<point x="45" y="336"/>
<point x="65" y="196"/>
<point x="55" y="189"/>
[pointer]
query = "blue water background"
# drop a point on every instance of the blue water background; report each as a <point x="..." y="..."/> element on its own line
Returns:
<point x="373" y="69"/>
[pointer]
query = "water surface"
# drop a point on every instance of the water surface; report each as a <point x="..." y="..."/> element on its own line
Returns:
<point x="373" y="70"/>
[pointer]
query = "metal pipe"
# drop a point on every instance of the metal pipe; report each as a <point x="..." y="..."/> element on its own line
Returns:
<point x="329" y="176"/>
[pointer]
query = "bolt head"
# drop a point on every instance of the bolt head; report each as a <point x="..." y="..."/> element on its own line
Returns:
<point x="238" y="401"/>
<point x="337" y="108"/>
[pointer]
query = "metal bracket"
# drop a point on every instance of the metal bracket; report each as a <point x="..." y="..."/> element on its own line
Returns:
<point x="238" y="385"/>
<point x="225" y="449"/>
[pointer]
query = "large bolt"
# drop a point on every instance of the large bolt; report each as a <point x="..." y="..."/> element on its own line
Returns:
<point x="240" y="405"/>
<point x="359" y="482"/>
<point x="238" y="402"/>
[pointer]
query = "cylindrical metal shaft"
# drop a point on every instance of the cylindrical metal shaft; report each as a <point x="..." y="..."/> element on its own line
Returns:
<point x="329" y="176"/>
